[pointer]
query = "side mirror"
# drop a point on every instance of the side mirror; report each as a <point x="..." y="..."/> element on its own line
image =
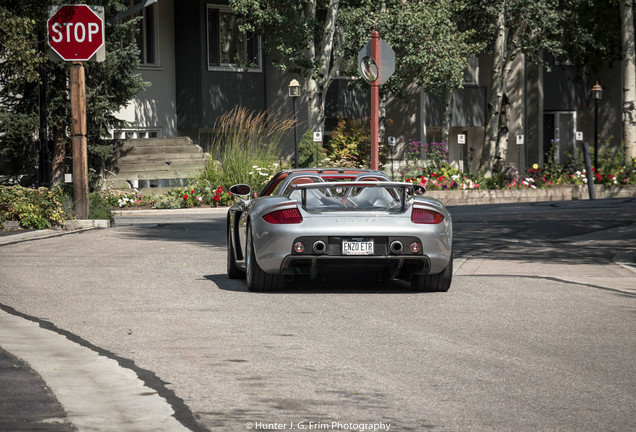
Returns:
<point x="242" y="191"/>
<point x="417" y="190"/>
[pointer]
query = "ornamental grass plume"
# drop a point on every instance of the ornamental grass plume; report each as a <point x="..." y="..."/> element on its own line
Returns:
<point x="241" y="140"/>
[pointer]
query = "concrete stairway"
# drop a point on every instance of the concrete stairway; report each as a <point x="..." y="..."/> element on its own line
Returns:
<point x="153" y="165"/>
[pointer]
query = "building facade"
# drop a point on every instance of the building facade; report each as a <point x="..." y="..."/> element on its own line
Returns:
<point x="187" y="47"/>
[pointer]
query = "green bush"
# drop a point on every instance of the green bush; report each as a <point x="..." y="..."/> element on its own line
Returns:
<point x="34" y="208"/>
<point x="99" y="208"/>
<point x="310" y="153"/>
<point x="350" y="146"/>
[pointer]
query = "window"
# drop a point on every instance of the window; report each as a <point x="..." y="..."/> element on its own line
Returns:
<point x="146" y="34"/>
<point x="229" y="48"/>
<point x="471" y="74"/>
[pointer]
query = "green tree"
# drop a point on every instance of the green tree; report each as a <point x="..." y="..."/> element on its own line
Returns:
<point x="110" y="85"/>
<point x="429" y="47"/>
<point x="599" y="33"/>
<point x="510" y="28"/>
<point x="320" y="39"/>
<point x="629" y="80"/>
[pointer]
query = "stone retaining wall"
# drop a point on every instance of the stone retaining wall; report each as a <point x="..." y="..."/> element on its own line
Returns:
<point x="555" y="193"/>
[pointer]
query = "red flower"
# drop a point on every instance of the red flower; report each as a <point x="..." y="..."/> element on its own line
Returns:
<point x="185" y="197"/>
<point x="217" y="198"/>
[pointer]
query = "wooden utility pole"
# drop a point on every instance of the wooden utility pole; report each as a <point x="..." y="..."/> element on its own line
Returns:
<point x="78" y="130"/>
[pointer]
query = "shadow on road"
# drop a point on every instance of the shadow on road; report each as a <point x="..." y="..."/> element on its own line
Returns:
<point x="209" y="233"/>
<point x="348" y="285"/>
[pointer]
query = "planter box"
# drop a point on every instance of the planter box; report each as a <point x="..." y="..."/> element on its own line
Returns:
<point x="602" y="191"/>
<point x="555" y="193"/>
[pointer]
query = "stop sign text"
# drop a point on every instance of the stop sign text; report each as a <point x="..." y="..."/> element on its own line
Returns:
<point x="76" y="32"/>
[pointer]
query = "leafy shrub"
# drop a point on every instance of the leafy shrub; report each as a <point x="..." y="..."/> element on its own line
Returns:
<point x="310" y="153"/>
<point x="35" y="208"/>
<point x="350" y="145"/>
<point x="168" y="202"/>
<point x="98" y="208"/>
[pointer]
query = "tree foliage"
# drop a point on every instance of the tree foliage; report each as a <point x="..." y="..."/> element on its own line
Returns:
<point x="509" y="28"/>
<point x="320" y="39"/>
<point x="110" y="85"/>
<point x="430" y="48"/>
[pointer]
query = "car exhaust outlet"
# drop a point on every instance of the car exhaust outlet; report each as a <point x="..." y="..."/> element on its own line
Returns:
<point x="319" y="247"/>
<point x="396" y="247"/>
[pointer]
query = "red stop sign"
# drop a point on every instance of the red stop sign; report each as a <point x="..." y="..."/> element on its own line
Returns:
<point x="75" y="32"/>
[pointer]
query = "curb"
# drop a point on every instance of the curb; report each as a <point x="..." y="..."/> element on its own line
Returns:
<point x="69" y="227"/>
<point x="626" y="260"/>
<point x="158" y="212"/>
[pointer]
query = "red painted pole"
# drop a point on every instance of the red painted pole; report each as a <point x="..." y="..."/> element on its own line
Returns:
<point x="375" y="98"/>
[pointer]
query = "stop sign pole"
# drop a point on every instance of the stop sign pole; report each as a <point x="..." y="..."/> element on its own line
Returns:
<point x="79" y="140"/>
<point x="76" y="34"/>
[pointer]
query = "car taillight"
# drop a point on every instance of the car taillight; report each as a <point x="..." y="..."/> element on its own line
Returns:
<point x="284" y="216"/>
<point x="425" y="216"/>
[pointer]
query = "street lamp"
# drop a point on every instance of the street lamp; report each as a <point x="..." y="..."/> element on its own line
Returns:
<point x="294" y="92"/>
<point x="597" y="95"/>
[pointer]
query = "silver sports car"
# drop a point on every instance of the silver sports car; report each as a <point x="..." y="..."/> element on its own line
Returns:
<point x="311" y="221"/>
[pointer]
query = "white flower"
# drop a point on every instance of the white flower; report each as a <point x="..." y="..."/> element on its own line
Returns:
<point x="251" y="172"/>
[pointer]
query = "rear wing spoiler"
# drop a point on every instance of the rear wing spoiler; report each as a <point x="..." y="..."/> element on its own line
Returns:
<point x="403" y="186"/>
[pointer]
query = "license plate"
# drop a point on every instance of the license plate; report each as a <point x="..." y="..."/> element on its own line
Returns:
<point x="357" y="247"/>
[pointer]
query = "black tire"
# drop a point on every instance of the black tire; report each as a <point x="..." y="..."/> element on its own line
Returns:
<point x="233" y="270"/>
<point x="257" y="279"/>
<point x="439" y="282"/>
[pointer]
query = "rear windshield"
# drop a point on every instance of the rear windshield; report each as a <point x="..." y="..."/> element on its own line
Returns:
<point x="350" y="199"/>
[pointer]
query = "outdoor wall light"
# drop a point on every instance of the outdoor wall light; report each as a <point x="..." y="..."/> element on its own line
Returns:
<point x="597" y="92"/>
<point x="597" y="95"/>
<point x="294" y="92"/>
<point x="294" y="89"/>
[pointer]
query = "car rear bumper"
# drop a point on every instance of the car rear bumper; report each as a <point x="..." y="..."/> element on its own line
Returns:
<point x="396" y="265"/>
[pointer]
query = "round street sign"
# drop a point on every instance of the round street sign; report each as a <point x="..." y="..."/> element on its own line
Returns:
<point x="381" y="68"/>
<point x="75" y="32"/>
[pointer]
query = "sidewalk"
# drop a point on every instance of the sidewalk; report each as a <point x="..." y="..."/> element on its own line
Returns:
<point x="563" y="260"/>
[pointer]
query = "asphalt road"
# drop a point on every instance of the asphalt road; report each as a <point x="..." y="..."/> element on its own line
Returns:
<point x="502" y="350"/>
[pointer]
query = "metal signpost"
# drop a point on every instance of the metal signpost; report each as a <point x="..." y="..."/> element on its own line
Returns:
<point x="76" y="34"/>
<point x="585" y="148"/>
<point x="376" y="64"/>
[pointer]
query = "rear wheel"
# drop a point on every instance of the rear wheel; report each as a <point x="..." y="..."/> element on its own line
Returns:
<point x="439" y="282"/>
<point x="257" y="279"/>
